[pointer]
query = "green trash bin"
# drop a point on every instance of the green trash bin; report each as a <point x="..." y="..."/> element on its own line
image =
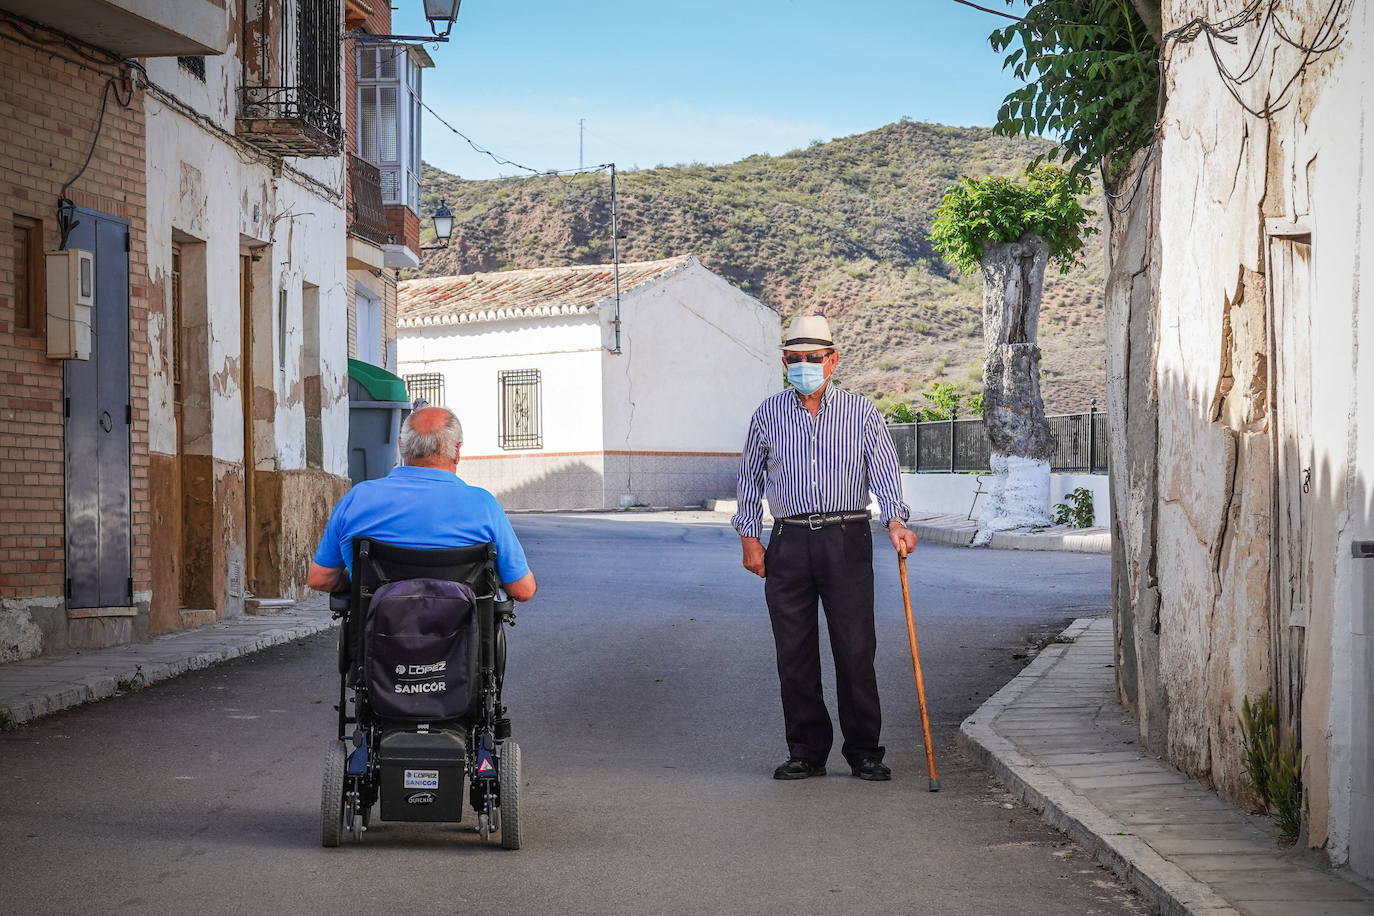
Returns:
<point x="377" y="403"/>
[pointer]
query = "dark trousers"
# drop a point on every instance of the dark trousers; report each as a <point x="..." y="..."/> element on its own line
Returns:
<point x="834" y="564"/>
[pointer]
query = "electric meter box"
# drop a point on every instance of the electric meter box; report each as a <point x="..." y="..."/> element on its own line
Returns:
<point x="71" y="293"/>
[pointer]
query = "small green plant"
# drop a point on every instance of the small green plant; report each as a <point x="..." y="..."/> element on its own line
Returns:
<point x="1285" y="789"/>
<point x="1078" y="511"/>
<point x="978" y="212"/>
<point x="1259" y="728"/>
<point x="7" y="722"/>
<point x="1274" y="770"/>
<point x="133" y="682"/>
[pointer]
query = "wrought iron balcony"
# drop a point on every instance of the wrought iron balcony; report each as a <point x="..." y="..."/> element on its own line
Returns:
<point x="366" y="215"/>
<point x="289" y="100"/>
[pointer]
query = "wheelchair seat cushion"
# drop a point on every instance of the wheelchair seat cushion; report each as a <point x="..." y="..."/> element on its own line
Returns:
<point x="420" y="650"/>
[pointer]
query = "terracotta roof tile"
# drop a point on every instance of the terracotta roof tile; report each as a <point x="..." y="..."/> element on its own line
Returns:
<point x="522" y="293"/>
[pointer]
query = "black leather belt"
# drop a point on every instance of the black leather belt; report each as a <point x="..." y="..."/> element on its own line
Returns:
<point x="815" y="522"/>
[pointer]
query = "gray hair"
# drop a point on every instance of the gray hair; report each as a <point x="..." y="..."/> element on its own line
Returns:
<point x="444" y="441"/>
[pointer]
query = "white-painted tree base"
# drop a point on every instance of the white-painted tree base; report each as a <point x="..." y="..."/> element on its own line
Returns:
<point x="1019" y="498"/>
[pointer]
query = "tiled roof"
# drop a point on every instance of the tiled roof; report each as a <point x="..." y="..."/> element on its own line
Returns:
<point x="522" y="293"/>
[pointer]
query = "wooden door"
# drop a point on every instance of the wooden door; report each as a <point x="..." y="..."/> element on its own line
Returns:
<point x="246" y="377"/>
<point x="1290" y="280"/>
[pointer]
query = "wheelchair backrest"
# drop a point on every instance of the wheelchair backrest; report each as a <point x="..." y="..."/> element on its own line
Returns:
<point x="377" y="563"/>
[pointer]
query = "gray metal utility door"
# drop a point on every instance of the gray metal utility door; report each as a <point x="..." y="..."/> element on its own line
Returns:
<point x="97" y="410"/>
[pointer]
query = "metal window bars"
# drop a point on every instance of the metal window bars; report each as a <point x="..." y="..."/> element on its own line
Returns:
<point x="427" y="387"/>
<point x="518" y="391"/>
<point x="289" y="99"/>
<point x="366" y="216"/>
<point x="962" y="445"/>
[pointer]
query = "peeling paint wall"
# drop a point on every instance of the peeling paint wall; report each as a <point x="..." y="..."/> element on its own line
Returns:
<point x="1242" y="445"/>
<point x="218" y="201"/>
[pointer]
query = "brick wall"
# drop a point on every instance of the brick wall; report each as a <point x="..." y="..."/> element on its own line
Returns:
<point x="50" y="107"/>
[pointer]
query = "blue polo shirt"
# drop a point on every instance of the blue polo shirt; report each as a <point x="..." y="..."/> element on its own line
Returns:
<point x="421" y="507"/>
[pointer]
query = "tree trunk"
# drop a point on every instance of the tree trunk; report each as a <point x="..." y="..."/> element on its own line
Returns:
<point x="1013" y="279"/>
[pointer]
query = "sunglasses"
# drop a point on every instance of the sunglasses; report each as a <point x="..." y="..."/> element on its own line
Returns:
<point x="794" y="358"/>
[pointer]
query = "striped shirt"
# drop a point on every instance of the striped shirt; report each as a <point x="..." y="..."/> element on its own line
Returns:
<point x="824" y="464"/>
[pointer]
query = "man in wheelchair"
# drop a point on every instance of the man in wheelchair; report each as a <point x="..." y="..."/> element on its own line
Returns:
<point x="423" y="569"/>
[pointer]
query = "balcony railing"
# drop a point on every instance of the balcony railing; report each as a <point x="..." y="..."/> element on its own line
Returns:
<point x="366" y="216"/>
<point x="289" y="100"/>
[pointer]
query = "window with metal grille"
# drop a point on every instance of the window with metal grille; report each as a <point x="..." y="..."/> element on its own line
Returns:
<point x="427" y="387"/>
<point x="519" y="402"/>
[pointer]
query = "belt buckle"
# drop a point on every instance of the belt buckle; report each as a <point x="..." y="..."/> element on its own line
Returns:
<point x="814" y="522"/>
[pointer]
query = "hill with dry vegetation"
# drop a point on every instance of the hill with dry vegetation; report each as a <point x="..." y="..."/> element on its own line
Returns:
<point x="838" y="228"/>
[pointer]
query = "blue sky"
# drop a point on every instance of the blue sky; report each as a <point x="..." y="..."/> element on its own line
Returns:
<point x="711" y="81"/>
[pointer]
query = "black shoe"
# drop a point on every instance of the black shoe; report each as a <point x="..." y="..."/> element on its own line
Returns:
<point x="797" y="768"/>
<point x="871" y="768"/>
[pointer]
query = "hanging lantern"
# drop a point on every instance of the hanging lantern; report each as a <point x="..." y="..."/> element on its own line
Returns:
<point x="441" y="15"/>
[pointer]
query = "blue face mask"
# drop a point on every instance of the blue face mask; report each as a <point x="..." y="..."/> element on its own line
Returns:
<point x="806" y="377"/>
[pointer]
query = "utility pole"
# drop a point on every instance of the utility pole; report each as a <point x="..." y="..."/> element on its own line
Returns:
<point x="581" y="134"/>
<point x="615" y="254"/>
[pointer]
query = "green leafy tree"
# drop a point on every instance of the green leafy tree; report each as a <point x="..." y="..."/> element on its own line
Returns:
<point x="902" y="413"/>
<point x="944" y="400"/>
<point x="1092" y="78"/>
<point x="978" y="212"/>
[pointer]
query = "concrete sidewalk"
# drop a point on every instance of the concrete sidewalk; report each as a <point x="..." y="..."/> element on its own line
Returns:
<point x="40" y="686"/>
<point x="1056" y="737"/>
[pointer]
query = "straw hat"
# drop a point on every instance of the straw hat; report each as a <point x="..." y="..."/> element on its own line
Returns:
<point x="808" y="332"/>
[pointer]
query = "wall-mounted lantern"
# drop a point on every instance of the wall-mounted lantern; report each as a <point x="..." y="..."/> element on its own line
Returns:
<point x="443" y="227"/>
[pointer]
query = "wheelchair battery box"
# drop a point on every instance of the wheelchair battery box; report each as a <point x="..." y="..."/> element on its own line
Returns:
<point x="422" y="775"/>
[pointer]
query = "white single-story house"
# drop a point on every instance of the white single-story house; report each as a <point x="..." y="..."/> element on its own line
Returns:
<point x="574" y="398"/>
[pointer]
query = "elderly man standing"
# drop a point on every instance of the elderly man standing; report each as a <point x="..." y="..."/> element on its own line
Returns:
<point x="422" y="503"/>
<point x="816" y="451"/>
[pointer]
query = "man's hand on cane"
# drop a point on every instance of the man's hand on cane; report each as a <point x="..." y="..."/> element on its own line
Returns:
<point x="900" y="535"/>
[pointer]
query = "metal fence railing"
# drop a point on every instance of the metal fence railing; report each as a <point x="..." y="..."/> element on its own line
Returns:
<point x="962" y="445"/>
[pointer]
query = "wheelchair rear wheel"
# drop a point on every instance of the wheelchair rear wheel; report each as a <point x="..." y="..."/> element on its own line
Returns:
<point x="508" y="776"/>
<point x="332" y="794"/>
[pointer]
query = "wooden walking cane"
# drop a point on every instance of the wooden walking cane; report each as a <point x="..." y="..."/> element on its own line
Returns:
<point x="916" y="668"/>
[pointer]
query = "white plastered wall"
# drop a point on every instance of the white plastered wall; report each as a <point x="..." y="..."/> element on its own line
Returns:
<point x="1224" y="173"/>
<point x="201" y="188"/>
<point x="697" y="356"/>
<point x="566" y="471"/>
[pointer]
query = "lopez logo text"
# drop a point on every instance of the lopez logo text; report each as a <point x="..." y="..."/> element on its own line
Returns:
<point x="428" y="669"/>
<point x="421" y="779"/>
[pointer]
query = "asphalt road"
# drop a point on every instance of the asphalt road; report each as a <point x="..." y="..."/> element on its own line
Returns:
<point x="644" y="696"/>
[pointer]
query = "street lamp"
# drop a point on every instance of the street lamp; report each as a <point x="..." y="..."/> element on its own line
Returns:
<point x="441" y="15"/>
<point x="443" y="222"/>
<point x="443" y="227"/>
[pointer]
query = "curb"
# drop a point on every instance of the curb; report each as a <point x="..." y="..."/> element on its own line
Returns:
<point x="1092" y="540"/>
<point x="943" y="534"/>
<point x="105" y="683"/>
<point x="1163" y="885"/>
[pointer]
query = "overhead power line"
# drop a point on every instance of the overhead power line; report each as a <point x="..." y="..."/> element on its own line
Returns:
<point x="986" y="9"/>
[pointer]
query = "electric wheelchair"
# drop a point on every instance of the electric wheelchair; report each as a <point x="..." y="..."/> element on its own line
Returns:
<point x="422" y="657"/>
